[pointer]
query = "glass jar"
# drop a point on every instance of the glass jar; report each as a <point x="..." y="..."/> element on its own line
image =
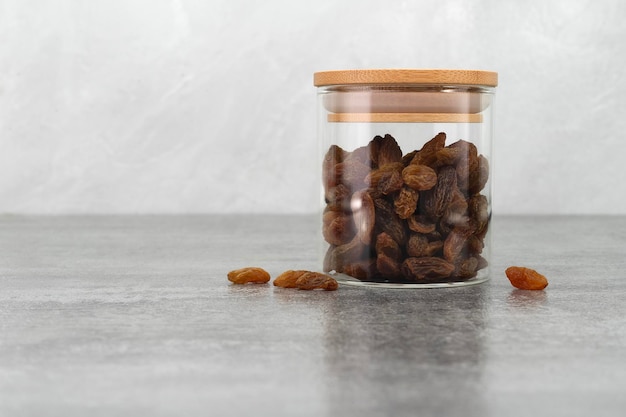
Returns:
<point x="405" y="159"/>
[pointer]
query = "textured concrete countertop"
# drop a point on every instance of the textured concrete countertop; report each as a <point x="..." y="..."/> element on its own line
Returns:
<point x="123" y="315"/>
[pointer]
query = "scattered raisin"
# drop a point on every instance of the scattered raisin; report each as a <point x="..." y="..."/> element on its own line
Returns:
<point x="316" y="280"/>
<point x="526" y="278"/>
<point x="249" y="275"/>
<point x="288" y="278"/>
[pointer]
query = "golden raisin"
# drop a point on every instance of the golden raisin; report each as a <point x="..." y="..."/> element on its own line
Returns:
<point x="526" y="278"/>
<point x="250" y="274"/>
<point x="288" y="278"/>
<point x="316" y="280"/>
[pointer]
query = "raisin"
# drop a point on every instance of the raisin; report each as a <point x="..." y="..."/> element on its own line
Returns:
<point x="467" y="268"/>
<point x="338" y="197"/>
<point x="390" y="182"/>
<point x="436" y="200"/>
<point x="362" y="154"/>
<point x="288" y="278"/>
<point x="475" y="245"/>
<point x="316" y="280"/>
<point x="454" y="244"/>
<point x="338" y="227"/>
<point x="388" y="256"/>
<point x="478" y="175"/>
<point x="375" y="176"/>
<point x="405" y="202"/>
<point x="482" y="262"/>
<point x="478" y="209"/>
<point x="388" y="267"/>
<point x="526" y="278"/>
<point x="246" y="275"/>
<point x="428" y="268"/>
<point x="421" y="224"/>
<point x="388" y="221"/>
<point x="362" y="270"/>
<point x="467" y="163"/>
<point x="419" y="177"/>
<point x="406" y="159"/>
<point x="447" y="156"/>
<point x="456" y="212"/>
<point x="334" y="156"/>
<point x="385" y="245"/>
<point x="427" y="155"/>
<point x="338" y="256"/>
<point x="434" y="248"/>
<point x="352" y="173"/>
<point x="417" y="245"/>
<point x="388" y="151"/>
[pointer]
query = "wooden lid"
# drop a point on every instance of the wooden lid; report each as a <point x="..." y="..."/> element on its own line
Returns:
<point x="406" y="76"/>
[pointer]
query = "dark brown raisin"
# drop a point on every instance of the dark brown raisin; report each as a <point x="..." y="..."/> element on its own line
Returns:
<point x="405" y="202"/>
<point x="362" y="154"/>
<point x="388" y="267"/>
<point x="478" y="209"/>
<point x="447" y="156"/>
<point x="435" y="201"/>
<point x="363" y="270"/>
<point x="467" y="162"/>
<point x="388" y="221"/>
<point x="338" y="198"/>
<point x="385" y="245"/>
<point x="406" y="159"/>
<point x="479" y="175"/>
<point x="338" y="227"/>
<point x="421" y="224"/>
<point x="419" y="177"/>
<point x="376" y="175"/>
<point x="467" y="268"/>
<point x="435" y="247"/>
<point x="417" y="245"/>
<point x="455" y="244"/>
<point x="388" y="256"/>
<point x="427" y="155"/>
<point x="389" y="151"/>
<point x="352" y="173"/>
<point x="425" y="269"/>
<point x="390" y="182"/>
<point x="333" y="156"/>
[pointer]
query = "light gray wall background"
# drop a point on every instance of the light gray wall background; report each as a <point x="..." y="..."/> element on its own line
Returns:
<point x="193" y="106"/>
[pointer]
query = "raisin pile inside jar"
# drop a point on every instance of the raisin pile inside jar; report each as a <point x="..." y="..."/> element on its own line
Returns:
<point x="414" y="217"/>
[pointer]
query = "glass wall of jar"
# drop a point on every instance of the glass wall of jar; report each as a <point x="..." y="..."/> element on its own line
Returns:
<point x="406" y="187"/>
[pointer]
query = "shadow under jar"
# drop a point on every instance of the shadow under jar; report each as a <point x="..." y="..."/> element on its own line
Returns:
<point x="405" y="159"/>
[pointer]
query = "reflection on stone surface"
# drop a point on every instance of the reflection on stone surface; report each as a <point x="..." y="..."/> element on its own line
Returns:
<point x="527" y="299"/>
<point x="404" y="341"/>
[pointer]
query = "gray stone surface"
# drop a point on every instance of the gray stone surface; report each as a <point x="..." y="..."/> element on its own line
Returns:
<point x="123" y="315"/>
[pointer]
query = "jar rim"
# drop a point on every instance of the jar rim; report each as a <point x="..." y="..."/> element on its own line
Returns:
<point x="405" y="77"/>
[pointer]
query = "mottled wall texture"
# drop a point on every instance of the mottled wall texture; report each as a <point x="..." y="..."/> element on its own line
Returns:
<point x="195" y="106"/>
